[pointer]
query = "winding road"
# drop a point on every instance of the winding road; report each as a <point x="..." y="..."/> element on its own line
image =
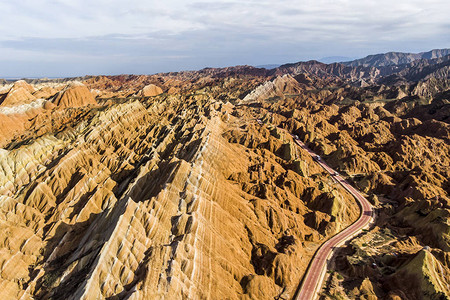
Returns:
<point x="312" y="281"/>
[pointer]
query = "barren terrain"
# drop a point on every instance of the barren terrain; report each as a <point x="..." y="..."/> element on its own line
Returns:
<point x="190" y="185"/>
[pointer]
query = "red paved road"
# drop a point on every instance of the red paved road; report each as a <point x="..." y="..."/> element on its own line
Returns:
<point x="312" y="281"/>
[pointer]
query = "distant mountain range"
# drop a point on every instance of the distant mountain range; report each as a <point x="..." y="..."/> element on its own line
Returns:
<point x="377" y="60"/>
<point x="268" y="67"/>
<point x="333" y="59"/>
<point x="392" y="68"/>
<point x="395" y="58"/>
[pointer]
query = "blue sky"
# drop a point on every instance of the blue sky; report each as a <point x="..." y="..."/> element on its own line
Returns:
<point x="69" y="38"/>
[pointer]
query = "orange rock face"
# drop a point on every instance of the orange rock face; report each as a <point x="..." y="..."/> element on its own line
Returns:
<point x="210" y="205"/>
<point x="150" y="91"/>
<point x="19" y="94"/>
<point x="74" y="96"/>
<point x="198" y="194"/>
<point x="45" y="92"/>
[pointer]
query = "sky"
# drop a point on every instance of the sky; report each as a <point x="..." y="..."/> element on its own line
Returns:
<point x="62" y="38"/>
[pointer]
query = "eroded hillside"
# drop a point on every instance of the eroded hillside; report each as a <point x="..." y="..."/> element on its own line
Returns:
<point x="402" y="163"/>
<point x="163" y="197"/>
<point x="189" y="185"/>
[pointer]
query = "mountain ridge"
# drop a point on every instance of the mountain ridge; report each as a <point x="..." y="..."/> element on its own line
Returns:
<point x="192" y="184"/>
<point x="395" y="58"/>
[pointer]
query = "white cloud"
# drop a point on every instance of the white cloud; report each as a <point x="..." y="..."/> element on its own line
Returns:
<point x="84" y="18"/>
<point x="221" y="32"/>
